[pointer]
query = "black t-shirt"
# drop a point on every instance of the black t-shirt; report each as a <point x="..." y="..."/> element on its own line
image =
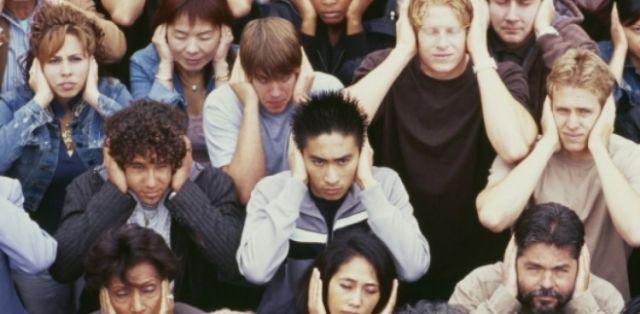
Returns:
<point x="328" y="209"/>
<point x="432" y="133"/>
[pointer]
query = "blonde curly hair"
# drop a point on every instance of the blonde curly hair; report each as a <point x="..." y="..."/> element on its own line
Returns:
<point x="52" y="23"/>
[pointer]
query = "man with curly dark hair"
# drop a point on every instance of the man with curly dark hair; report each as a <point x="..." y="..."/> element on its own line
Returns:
<point x="148" y="178"/>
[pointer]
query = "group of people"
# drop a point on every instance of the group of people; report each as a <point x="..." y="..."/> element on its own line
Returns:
<point x="319" y="156"/>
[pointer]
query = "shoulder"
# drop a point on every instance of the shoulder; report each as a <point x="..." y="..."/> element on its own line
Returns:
<point x="147" y="56"/>
<point x="324" y="82"/>
<point x="273" y="184"/>
<point x="607" y="296"/>
<point x="109" y="85"/>
<point x="223" y="102"/>
<point x="385" y="175"/>
<point x="17" y="97"/>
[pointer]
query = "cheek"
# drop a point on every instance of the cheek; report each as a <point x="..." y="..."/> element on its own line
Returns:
<point x="336" y="297"/>
<point x="369" y="301"/>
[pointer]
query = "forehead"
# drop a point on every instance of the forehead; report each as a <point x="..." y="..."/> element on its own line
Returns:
<point x="139" y="274"/>
<point x="331" y="145"/>
<point x="357" y="269"/>
<point x="520" y="2"/>
<point x="546" y="255"/>
<point x="574" y="97"/>
<point x="440" y="16"/>
<point x="183" y="23"/>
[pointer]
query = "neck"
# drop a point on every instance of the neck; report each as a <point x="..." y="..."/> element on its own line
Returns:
<point x="191" y="76"/>
<point x="21" y="9"/>
<point x="578" y="156"/>
<point x="634" y="60"/>
<point x="334" y="31"/>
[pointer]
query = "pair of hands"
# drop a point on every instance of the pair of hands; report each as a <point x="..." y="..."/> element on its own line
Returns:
<point x="599" y="135"/>
<point x="355" y="10"/>
<point x="364" y="173"/>
<point x="159" y="40"/>
<point x="42" y="90"/>
<point x="167" y="304"/>
<point x="510" y="275"/>
<point x="118" y="177"/>
<point x="316" y="305"/>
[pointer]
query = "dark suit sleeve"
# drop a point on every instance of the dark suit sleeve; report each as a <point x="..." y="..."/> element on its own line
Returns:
<point x="91" y="207"/>
<point x="208" y="208"/>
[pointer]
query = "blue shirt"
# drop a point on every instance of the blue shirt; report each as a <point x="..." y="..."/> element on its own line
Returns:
<point x="630" y="76"/>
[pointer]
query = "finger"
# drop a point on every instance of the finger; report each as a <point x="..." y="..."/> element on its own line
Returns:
<point x="313" y="283"/>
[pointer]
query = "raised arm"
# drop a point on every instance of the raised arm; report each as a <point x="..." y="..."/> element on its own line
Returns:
<point x="510" y="127"/>
<point x="114" y="42"/>
<point x="372" y="88"/>
<point x="28" y="247"/>
<point x="272" y="212"/>
<point x="390" y="216"/>
<point x="124" y="12"/>
<point x="507" y="193"/>
<point x="620" y="46"/>
<point x="622" y="197"/>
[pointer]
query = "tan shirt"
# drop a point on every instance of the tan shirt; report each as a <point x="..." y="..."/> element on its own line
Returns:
<point x="481" y="292"/>
<point x="576" y="184"/>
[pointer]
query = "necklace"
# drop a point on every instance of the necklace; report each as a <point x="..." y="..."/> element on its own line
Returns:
<point x="67" y="139"/>
<point x="194" y="87"/>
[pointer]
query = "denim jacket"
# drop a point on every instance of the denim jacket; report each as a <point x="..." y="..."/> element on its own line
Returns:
<point x="143" y="68"/>
<point x="30" y="138"/>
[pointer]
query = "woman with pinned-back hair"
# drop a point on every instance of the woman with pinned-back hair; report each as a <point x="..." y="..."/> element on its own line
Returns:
<point x="186" y="60"/>
<point x="354" y="274"/>
<point x="623" y="55"/>
<point x="51" y="128"/>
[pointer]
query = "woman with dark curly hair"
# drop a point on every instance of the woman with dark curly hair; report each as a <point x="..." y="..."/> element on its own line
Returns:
<point x="186" y="60"/>
<point x="51" y="129"/>
<point x="149" y="179"/>
<point x="132" y="268"/>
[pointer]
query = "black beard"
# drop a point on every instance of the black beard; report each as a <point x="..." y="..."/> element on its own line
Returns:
<point x="529" y="306"/>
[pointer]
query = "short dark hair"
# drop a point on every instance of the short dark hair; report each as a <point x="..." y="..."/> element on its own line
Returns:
<point x="343" y="250"/>
<point x="628" y="11"/>
<point x="328" y="112"/>
<point x="120" y="249"/>
<point x="214" y="11"/>
<point x="150" y="129"/>
<point x="552" y="224"/>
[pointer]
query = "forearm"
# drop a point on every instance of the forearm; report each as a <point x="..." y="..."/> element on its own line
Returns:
<point x="510" y="128"/>
<point x="247" y="165"/>
<point x="221" y="73"/>
<point x="372" y="88"/>
<point x="106" y="106"/>
<point x="124" y="13"/>
<point x="399" y="230"/>
<point x="29" y="248"/>
<point x="616" y="64"/>
<point x="500" y="204"/>
<point x="623" y="202"/>
<point x="268" y="227"/>
<point x="215" y="221"/>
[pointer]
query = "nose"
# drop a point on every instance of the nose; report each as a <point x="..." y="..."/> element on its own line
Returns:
<point x="441" y="41"/>
<point x="136" y="303"/>
<point x="572" y="121"/>
<point x="151" y="180"/>
<point x="66" y="68"/>
<point x="275" y="91"/>
<point x="355" y="298"/>
<point x="547" y="280"/>
<point x="192" y="45"/>
<point x="331" y="176"/>
<point x="512" y="15"/>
